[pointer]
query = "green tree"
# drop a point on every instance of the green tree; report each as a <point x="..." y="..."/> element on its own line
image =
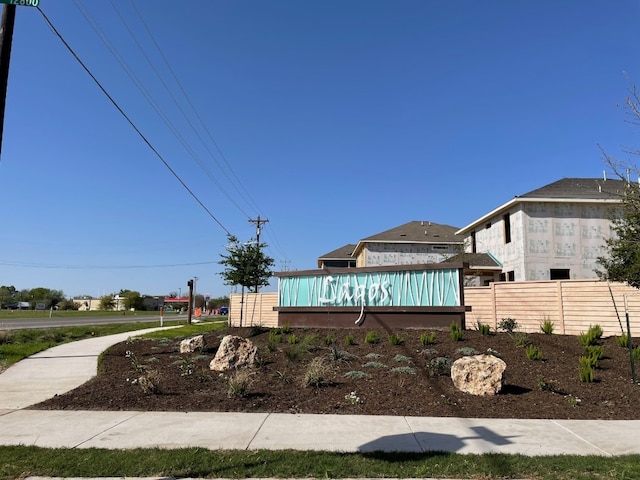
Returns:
<point x="132" y="299"/>
<point x="7" y="294"/>
<point x="107" y="302"/>
<point x="40" y="294"/>
<point x="246" y="265"/>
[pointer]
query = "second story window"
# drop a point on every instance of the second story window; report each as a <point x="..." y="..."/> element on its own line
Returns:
<point x="506" y="218"/>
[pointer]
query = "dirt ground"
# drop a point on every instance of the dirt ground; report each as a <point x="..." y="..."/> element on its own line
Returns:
<point x="406" y="379"/>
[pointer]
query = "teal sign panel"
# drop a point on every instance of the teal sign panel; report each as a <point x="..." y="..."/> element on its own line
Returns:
<point x="407" y="288"/>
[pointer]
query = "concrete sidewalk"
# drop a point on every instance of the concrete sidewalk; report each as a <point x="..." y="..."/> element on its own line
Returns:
<point x="64" y="367"/>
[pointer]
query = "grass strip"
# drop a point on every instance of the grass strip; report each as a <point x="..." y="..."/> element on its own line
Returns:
<point x="22" y="461"/>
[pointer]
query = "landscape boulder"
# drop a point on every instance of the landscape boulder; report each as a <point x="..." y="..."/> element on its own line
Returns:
<point x="190" y="345"/>
<point x="478" y="374"/>
<point x="234" y="352"/>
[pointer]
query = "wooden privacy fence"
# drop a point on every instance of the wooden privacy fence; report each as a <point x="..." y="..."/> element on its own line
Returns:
<point x="572" y="306"/>
<point x="257" y="309"/>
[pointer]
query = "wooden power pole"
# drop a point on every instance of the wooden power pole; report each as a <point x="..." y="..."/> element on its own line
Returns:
<point x="258" y="223"/>
<point x="6" y="37"/>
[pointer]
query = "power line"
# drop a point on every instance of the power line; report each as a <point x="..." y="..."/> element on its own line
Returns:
<point x="98" y="267"/>
<point x="126" y="117"/>
<point x="244" y="192"/>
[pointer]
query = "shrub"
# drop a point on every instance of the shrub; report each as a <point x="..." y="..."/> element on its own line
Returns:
<point x="427" y="338"/>
<point x="548" y="386"/>
<point x="349" y="340"/>
<point x="316" y="373"/>
<point x="439" y="366"/>
<point x="402" y="358"/>
<point x="374" y="365"/>
<point x="547" y="327"/>
<point x="356" y="374"/>
<point x="372" y="337"/>
<point x="508" y="325"/>
<point x="238" y="383"/>
<point x="483" y="328"/>
<point x="395" y="339"/>
<point x="466" y="351"/>
<point x="455" y="332"/>
<point x="405" y="370"/>
<point x="533" y="352"/>
<point x="429" y="352"/>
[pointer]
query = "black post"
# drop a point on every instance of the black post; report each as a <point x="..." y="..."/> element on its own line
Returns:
<point x="6" y="37"/>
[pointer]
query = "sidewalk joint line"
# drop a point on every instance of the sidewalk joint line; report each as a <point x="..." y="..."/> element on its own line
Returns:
<point x="257" y="431"/>
<point x="136" y="414"/>
<point x="581" y="438"/>
<point x="413" y="433"/>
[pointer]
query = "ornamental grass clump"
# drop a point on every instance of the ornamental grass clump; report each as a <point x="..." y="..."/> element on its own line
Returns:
<point x="547" y="327"/>
<point x="585" y="372"/>
<point x="395" y="339"/>
<point x="349" y="340"/>
<point x="533" y="352"/>
<point x="316" y="373"/>
<point x="238" y="383"/>
<point x="427" y="338"/>
<point x="455" y="332"/>
<point x="623" y="340"/>
<point x="372" y="337"/>
<point x="483" y="328"/>
<point x="591" y="337"/>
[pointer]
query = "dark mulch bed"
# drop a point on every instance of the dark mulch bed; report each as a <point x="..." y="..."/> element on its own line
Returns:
<point x="549" y="388"/>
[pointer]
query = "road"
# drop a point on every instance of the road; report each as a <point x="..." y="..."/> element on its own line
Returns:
<point x="18" y="323"/>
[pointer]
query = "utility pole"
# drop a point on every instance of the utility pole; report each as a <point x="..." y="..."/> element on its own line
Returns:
<point x="190" y="305"/>
<point x="6" y="37"/>
<point x="195" y="282"/>
<point x="258" y="223"/>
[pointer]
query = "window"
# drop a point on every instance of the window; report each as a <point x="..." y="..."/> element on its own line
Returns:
<point x="506" y="218"/>
<point x="473" y="242"/>
<point x="508" y="276"/>
<point x="559" y="274"/>
<point x="440" y="248"/>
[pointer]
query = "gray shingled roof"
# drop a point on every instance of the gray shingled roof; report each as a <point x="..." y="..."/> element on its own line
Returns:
<point x="474" y="260"/>
<point x="566" y="189"/>
<point x="579" y="188"/>
<point x="417" y="231"/>
<point x="341" y="253"/>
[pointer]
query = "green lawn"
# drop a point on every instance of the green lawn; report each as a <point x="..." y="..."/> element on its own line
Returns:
<point x="22" y="461"/>
<point x="12" y="314"/>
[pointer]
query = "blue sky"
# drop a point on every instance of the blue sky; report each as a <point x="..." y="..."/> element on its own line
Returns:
<point x="335" y="120"/>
